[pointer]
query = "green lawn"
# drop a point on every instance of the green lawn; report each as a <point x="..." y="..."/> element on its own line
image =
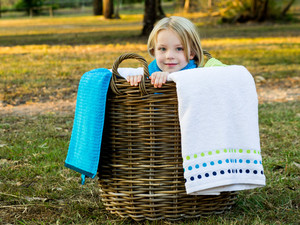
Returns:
<point x="36" y="188"/>
<point x="42" y="59"/>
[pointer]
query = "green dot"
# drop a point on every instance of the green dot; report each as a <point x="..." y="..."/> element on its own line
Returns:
<point x="225" y="150"/>
<point x="210" y="153"/>
<point x="234" y="150"/>
<point x="195" y="156"/>
<point x="258" y="152"/>
<point x="218" y="151"/>
<point x="188" y="158"/>
<point x="241" y="151"/>
<point x="248" y="151"/>
<point x="202" y="154"/>
<point x="254" y="151"/>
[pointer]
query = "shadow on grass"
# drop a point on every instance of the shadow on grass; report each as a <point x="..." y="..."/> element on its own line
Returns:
<point x="134" y="35"/>
<point x="82" y="38"/>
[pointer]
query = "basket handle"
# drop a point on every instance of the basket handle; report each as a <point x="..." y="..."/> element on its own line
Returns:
<point x="115" y="72"/>
<point x="142" y="86"/>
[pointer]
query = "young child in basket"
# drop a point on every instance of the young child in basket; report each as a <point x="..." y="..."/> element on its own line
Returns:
<point x="175" y="44"/>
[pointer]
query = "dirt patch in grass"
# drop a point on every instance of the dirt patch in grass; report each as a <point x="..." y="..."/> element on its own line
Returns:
<point x="281" y="90"/>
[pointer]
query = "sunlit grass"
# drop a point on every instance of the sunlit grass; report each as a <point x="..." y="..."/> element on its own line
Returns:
<point x="43" y="72"/>
<point x="43" y="58"/>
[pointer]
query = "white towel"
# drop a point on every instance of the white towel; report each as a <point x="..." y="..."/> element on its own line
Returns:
<point x="218" y="114"/>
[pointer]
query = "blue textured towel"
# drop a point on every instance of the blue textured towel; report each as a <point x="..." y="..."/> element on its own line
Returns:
<point x="84" y="149"/>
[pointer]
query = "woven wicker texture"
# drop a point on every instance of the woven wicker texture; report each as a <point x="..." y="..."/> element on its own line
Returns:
<point x="140" y="169"/>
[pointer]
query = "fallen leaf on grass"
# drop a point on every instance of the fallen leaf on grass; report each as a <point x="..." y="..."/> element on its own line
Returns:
<point x="297" y="165"/>
<point x="30" y="199"/>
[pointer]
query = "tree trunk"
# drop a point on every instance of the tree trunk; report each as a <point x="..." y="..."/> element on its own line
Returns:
<point x="186" y="7"/>
<point x="149" y="17"/>
<point x="288" y="6"/>
<point x="97" y="7"/>
<point x="263" y="13"/>
<point x="108" y="9"/>
<point x="159" y="11"/>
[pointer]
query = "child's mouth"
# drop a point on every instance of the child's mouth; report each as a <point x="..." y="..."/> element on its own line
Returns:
<point x="170" y="64"/>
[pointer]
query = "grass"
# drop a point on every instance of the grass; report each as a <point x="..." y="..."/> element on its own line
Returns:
<point x="43" y="59"/>
<point x="36" y="188"/>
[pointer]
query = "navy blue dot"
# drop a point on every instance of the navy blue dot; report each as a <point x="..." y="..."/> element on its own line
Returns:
<point x="233" y="171"/>
<point x="199" y="176"/>
<point x="236" y="171"/>
<point x="241" y="171"/>
<point x="229" y="171"/>
<point x="222" y="172"/>
<point x="255" y="171"/>
<point x="215" y="173"/>
<point x="185" y="180"/>
<point x="207" y="175"/>
<point x="262" y="172"/>
<point x="247" y="171"/>
<point x="192" y="178"/>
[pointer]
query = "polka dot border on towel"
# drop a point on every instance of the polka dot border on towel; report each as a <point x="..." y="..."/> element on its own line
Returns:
<point x="217" y="152"/>
<point x="223" y="172"/>
<point x="222" y="163"/>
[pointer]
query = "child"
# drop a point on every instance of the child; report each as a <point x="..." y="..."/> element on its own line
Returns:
<point x="175" y="45"/>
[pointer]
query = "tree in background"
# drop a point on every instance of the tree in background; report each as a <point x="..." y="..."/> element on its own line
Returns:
<point x="29" y="4"/>
<point x="153" y="12"/>
<point x="108" y="9"/>
<point x="97" y="7"/>
<point x="254" y="10"/>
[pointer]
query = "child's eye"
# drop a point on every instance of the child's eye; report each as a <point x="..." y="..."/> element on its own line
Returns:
<point x="179" y="49"/>
<point x="162" y="49"/>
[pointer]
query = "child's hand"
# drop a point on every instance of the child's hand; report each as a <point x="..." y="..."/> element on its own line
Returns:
<point x="159" y="78"/>
<point x="134" y="80"/>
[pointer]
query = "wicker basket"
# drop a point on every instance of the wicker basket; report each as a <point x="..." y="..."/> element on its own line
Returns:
<point x="140" y="170"/>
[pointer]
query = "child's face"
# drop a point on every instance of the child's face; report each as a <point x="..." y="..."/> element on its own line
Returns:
<point x="169" y="52"/>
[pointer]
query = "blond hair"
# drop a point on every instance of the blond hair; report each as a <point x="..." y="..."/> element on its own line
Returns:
<point x="187" y="33"/>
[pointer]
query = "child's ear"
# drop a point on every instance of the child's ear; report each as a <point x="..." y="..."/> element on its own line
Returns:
<point x="192" y="55"/>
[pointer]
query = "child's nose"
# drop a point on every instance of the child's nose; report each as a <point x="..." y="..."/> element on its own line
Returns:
<point x="170" y="54"/>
